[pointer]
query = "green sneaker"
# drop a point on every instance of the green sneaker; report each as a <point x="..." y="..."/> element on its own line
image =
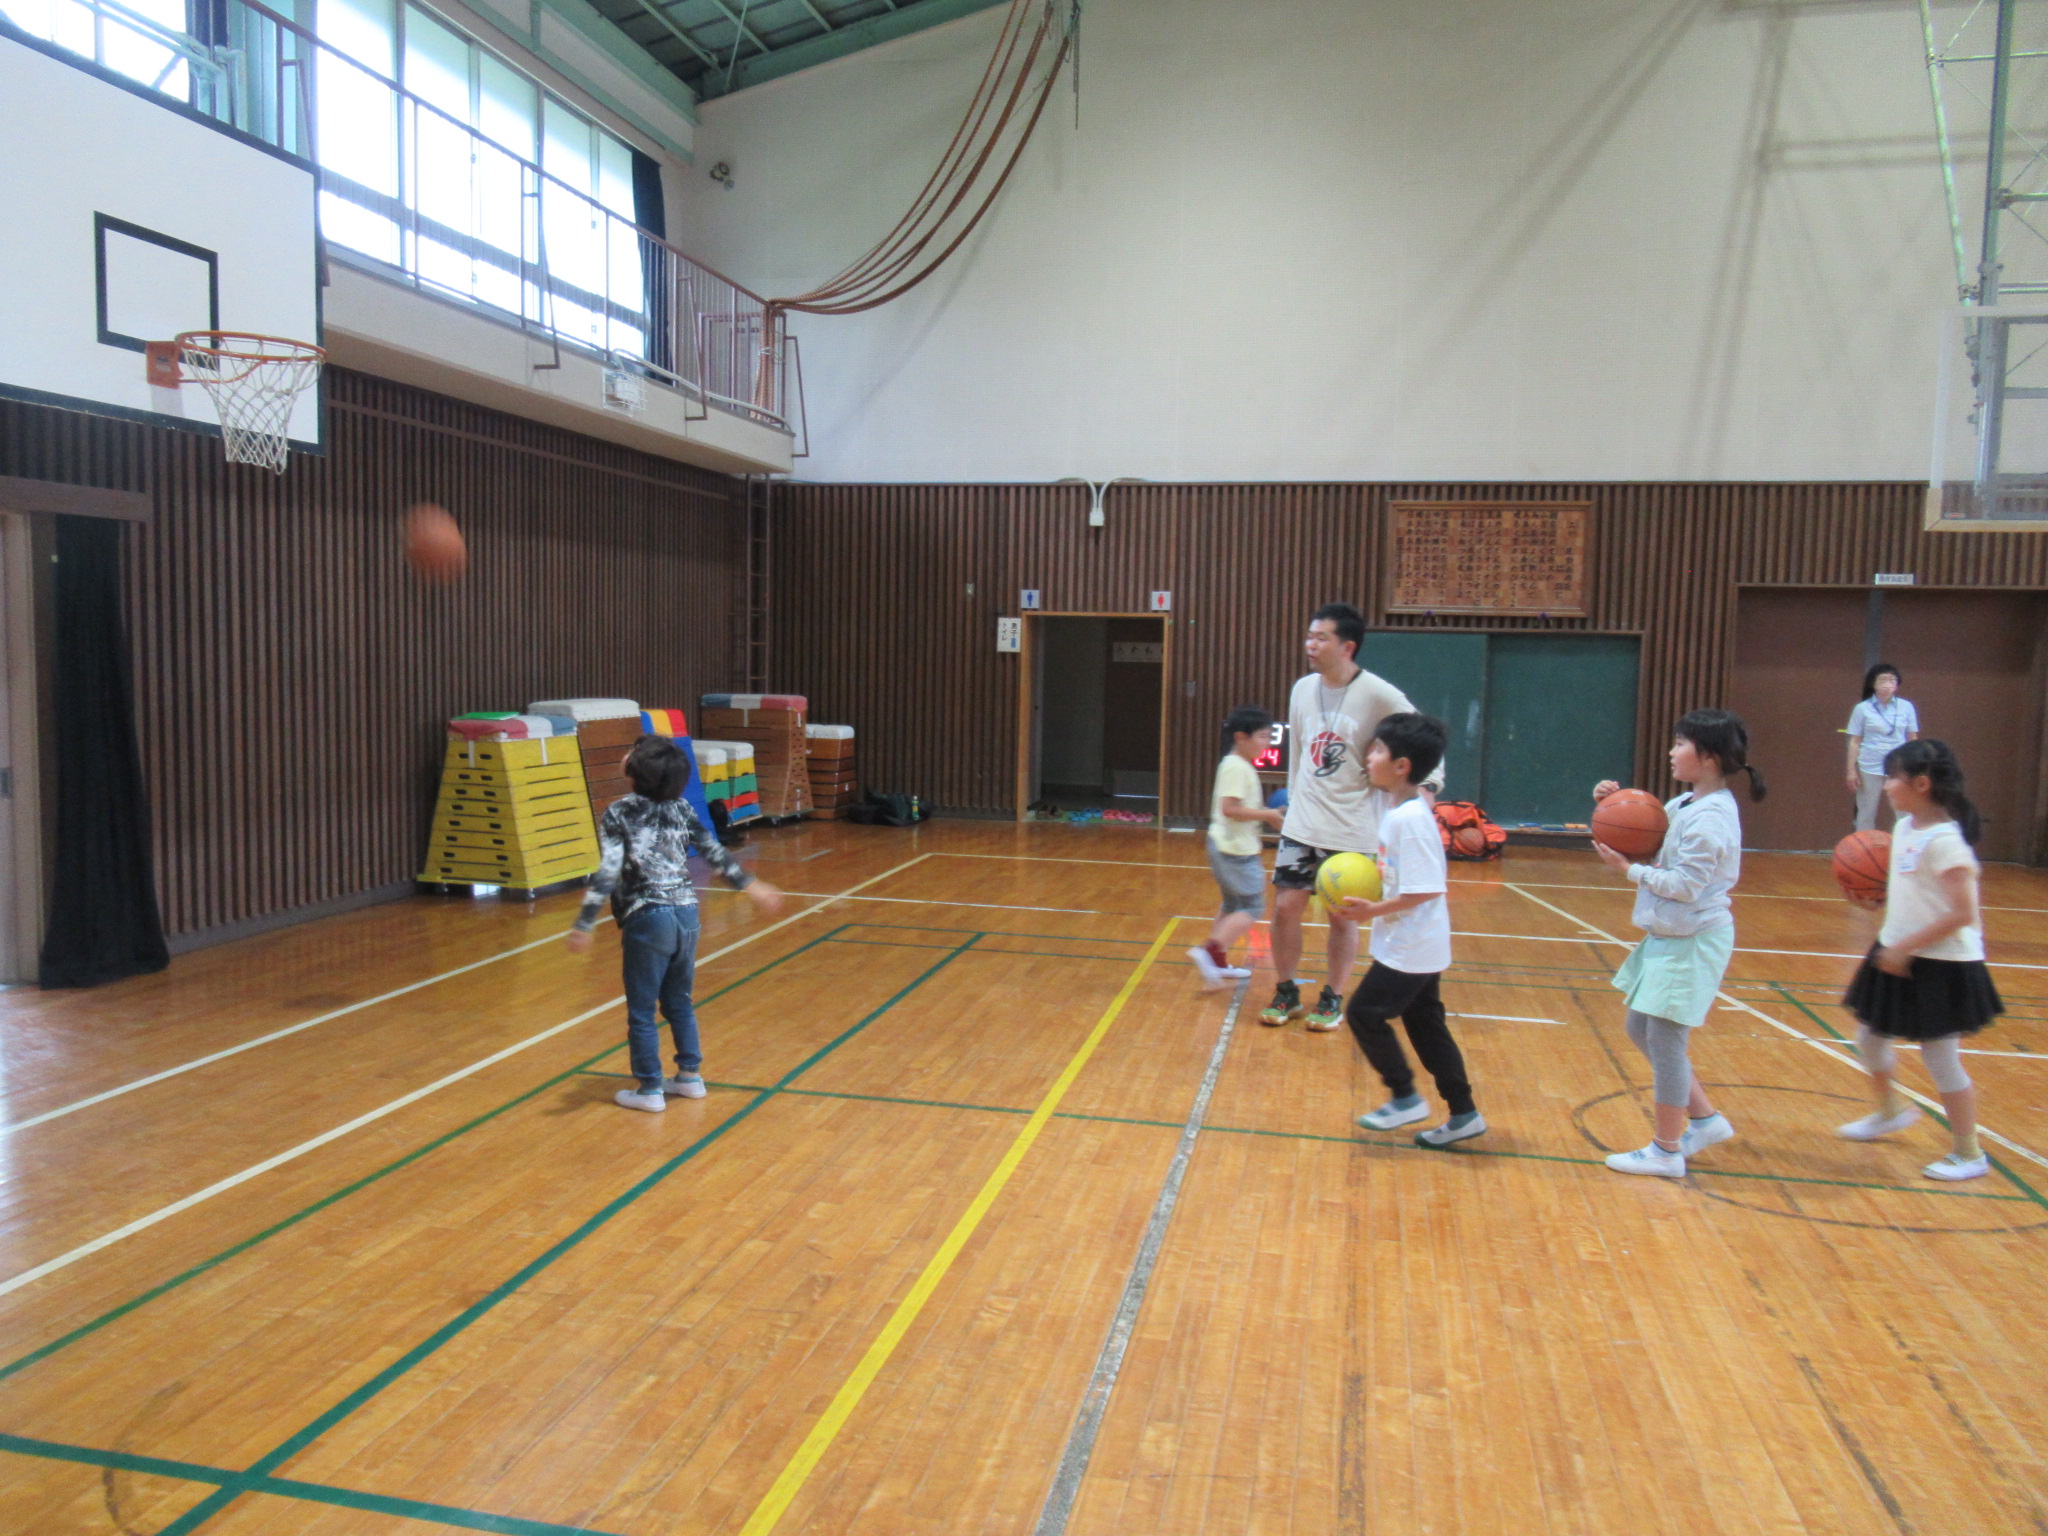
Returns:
<point x="1286" y="1004"/>
<point x="1328" y="1012"/>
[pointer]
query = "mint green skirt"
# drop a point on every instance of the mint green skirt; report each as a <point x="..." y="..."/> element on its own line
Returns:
<point x="1676" y="979"/>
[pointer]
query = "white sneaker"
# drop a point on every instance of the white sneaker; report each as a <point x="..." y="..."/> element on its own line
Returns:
<point x="633" y="1098"/>
<point x="1878" y="1123"/>
<point x="684" y="1085"/>
<point x="1457" y="1128"/>
<point x="1212" y="973"/>
<point x="1701" y="1134"/>
<point x="1651" y="1159"/>
<point x="1953" y="1168"/>
<point x="1234" y="972"/>
<point x="1394" y="1113"/>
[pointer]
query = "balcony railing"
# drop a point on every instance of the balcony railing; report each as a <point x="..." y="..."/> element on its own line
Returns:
<point x="422" y="197"/>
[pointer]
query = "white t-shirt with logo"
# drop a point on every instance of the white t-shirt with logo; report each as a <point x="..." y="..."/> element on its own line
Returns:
<point x="1330" y="805"/>
<point x="1914" y="896"/>
<point x="1417" y="941"/>
<point x="1882" y="727"/>
<point x="1235" y="778"/>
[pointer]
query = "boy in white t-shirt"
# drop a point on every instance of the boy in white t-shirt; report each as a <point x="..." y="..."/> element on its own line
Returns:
<point x="1237" y="810"/>
<point x="1411" y="941"/>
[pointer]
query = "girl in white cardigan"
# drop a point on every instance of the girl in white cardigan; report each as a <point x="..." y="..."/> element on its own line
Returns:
<point x="1672" y="977"/>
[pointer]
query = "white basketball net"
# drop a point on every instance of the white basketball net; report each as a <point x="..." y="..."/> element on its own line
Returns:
<point x="253" y="382"/>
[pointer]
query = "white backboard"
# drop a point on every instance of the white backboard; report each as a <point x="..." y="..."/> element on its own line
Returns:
<point x="129" y="220"/>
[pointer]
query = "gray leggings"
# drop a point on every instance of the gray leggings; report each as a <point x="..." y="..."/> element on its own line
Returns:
<point x="1665" y="1044"/>
<point x="1943" y="1056"/>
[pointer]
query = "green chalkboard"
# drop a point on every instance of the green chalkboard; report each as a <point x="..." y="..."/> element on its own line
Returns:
<point x="1560" y="715"/>
<point x="1443" y="675"/>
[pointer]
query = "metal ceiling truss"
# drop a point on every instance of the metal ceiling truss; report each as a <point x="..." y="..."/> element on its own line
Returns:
<point x="717" y="46"/>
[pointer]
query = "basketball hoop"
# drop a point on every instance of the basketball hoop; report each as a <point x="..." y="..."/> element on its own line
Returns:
<point x="253" y="382"/>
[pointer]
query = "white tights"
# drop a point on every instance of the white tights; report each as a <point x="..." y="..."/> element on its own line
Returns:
<point x="1943" y="1057"/>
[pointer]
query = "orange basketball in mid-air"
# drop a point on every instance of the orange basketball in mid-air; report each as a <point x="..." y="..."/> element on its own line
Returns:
<point x="433" y="544"/>
<point x="1631" y="822"/>
<point x="1863" y="861"/>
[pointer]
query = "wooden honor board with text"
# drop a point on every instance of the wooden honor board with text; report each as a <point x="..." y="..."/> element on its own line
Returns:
<point x="1484" y="557"/>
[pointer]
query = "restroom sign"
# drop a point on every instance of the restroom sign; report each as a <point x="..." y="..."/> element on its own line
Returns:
<point x="1162" y="602"/>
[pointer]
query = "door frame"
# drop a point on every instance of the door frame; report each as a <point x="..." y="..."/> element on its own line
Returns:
<point x="1027" y="694"/>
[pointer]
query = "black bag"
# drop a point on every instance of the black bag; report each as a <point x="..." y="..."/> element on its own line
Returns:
<point x="888" y="811"/>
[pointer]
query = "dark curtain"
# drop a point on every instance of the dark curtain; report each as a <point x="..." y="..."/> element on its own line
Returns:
<point x="103" y="920"/>
<point x="650" y="212"/>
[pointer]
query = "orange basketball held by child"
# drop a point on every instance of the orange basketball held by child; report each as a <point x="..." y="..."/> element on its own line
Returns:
<point x="1631" y="822"/>
<point x="1863" y="864"/>
<point x="433" y="544"/>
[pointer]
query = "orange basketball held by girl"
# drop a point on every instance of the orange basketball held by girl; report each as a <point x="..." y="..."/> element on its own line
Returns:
<point x="1682" y="905"/>
<point x="1925" y="979"/>
<point x="433" y="544"/>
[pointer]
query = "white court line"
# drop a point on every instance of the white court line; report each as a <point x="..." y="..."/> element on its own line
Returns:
<point x="1037" y="858"/>
<point x="143" y="1223"/>
<point x="1629" y="890"/>
<point x="1825" y="1047"/>
<point x="48" y="1115"/>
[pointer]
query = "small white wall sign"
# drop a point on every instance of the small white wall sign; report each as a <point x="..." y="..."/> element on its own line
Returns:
<point x="1162" y="602"/>
<point x="1894" y="579"/>
<point x="1028" y="599"/>
<point x="1009" y="634"/>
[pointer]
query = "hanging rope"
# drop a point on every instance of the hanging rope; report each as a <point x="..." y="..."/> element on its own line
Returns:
<point x="960" y="191"/>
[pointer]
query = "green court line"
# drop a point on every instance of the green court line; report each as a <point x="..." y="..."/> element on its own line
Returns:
<point x="114" y="1314"/>
<point x="2026" y="1190"/>
<point x="297" y="1442"/>
<point x="289" y="1488"/>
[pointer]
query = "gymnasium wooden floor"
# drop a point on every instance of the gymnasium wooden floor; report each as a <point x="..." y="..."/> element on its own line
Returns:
<point x="336" y="1230"/>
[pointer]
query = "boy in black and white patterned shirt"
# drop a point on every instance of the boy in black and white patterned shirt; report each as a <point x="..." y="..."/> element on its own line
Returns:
<point x="645" y="840"/>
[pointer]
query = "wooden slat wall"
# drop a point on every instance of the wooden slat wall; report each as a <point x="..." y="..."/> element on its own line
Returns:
<point x="291" y="675"/>
<point x="874" y="622"/>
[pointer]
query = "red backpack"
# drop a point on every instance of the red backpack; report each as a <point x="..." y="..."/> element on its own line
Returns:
<point x="1468" y="832"/>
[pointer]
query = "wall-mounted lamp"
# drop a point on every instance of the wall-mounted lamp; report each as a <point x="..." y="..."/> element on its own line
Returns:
<point x="1096" y="490"/>
<point x="722" y="174"/>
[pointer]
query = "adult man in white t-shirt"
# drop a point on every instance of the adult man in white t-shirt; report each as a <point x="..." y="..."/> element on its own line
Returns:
<point x="1331" y="808"/>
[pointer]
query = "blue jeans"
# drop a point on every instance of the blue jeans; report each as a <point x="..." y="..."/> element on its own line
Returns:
<point x="660" y="946"/>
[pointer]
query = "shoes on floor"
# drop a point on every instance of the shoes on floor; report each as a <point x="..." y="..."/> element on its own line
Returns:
<point x="684" y="1085"/>
<point x="634" y="1098"/>
<point x="1701" y="1134"/>
<point x="1953" y="1168"/>
<point x="1286" y="1004"/>
<point x="1878" y="1123"/>
<point x="1328" y="1012"/>
<point x="1210" y="972"/>
<point x="1651" y="1159"/>
<point x="1395" y="1113"/>
<point x="1234" y="972"/>
<point x="1457" y="1128"/>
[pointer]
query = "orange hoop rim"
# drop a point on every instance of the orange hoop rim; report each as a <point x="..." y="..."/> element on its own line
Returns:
<point x="303" y="351"/>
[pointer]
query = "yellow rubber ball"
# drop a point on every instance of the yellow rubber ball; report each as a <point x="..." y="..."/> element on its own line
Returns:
<point x="1346" y="875"/>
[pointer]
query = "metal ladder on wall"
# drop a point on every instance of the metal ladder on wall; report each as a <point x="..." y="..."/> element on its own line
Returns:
<point x="750" y="613"/>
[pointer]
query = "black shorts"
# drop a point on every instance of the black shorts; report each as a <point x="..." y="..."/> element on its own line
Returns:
<point x="1296" y="865"/>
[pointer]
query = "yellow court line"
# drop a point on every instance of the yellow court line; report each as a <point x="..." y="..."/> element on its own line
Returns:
<point x="793" y="1477"/>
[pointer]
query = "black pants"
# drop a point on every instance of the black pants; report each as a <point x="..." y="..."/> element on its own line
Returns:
<point x="1387" y="993"/>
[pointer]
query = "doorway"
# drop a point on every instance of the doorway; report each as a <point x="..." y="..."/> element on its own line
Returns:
<point x="1095" y="742"/>
<point x="1974" y="669"/>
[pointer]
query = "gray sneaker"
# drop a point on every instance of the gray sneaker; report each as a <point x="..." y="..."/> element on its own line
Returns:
<point x="1457" y="1128"/>
<point x="1396" y="1113"/>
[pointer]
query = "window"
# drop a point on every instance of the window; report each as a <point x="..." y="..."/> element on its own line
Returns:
<point x="438" y="177"/>
<point x="145" y="40"/>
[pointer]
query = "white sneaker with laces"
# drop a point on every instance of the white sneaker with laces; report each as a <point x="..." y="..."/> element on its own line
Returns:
<point x="1651" y="1159"/>
<point x="1701" y="1134"/>
<point x="634" y="1098"/>
<point x="1878" y="1123"/>
<point x="1212" y="973"/>
<point x="1953" y="1167"/>
<point x="684" y="1085"/>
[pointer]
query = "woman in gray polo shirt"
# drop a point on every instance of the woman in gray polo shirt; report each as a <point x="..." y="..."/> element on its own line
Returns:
<point x="1882" y="722"/>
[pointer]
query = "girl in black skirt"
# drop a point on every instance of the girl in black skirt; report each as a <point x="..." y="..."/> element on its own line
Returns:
<point x="1925" y="980"/>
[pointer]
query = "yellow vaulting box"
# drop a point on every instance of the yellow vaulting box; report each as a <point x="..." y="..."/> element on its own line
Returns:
<point x="513" y="814"/>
